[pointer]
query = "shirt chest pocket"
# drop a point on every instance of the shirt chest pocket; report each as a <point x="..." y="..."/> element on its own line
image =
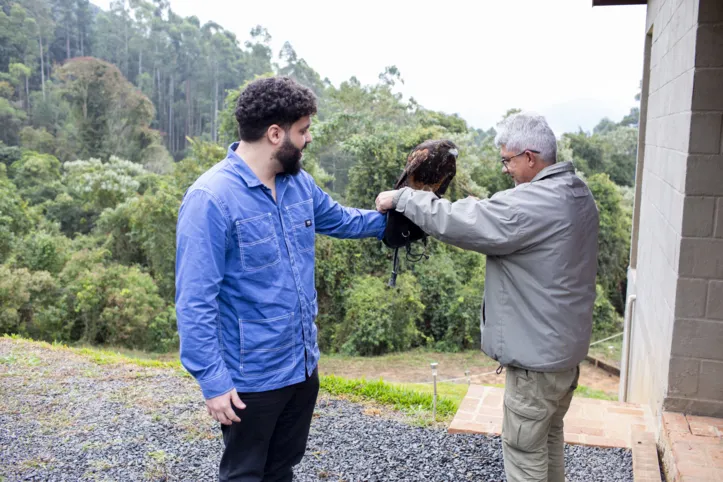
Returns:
<point x="302" y="222"/>
<point x="257" y="242"/>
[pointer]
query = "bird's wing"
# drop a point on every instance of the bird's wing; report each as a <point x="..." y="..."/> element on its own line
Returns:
<point x="413" y="162"/>
<point x="446" y="181"/>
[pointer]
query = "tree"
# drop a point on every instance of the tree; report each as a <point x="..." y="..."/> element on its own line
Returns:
<point x="15" y="217"/>
<point x="376" y="323"/>
<point x="44" y="28"/>
<point x="613" y="238"/>
<point x="299" y="70"/>
<point x="113" y="117"/>
<point x="37" y="177"/>
<point x="90" y="187"/>
<point x="17" y="37"/>
<point x="604" y="126"/>
<point x="143" y="230"/>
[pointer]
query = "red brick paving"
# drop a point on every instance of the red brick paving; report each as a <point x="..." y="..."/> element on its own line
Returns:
<point x="693" y="447"/>
<point x="593" y="422"/>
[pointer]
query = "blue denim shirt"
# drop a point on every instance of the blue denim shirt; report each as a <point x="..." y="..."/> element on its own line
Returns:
<point x="245" y="296"/>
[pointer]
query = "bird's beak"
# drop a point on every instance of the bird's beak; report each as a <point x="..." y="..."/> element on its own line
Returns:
<point x="454" y="152"/>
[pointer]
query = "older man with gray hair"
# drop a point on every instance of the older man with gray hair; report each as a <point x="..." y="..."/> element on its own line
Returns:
<point x="540" y="238"/>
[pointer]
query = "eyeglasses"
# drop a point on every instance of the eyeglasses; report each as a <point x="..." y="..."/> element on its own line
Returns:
<point x="505" y="160"/>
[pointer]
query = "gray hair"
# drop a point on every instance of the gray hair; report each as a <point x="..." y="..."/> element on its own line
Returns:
<point x="527" y="131"/>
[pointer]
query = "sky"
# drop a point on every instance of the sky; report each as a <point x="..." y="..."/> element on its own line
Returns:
<point x="564" y="59"/>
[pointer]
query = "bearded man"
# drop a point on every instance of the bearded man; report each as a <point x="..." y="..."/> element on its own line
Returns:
<point x="245" y="296"/>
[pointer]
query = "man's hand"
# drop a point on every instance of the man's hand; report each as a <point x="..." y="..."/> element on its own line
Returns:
<point x="221" y="410"/>
<point x="385" y="200"/>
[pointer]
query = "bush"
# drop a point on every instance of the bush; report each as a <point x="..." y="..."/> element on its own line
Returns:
<point x="42" y="251"/>
<point x="452" y="284"/>
<point x="606" y="321"/>
<point x="378" y="319"/>
<point x="613" y="239"/>
<point x="71" y="214"/>
<point x="463" y="330"/>
<point x="37" y="177"/>
<point x="338" y="261"/>
<point x="114" y="227"/>
<point x="102" y="185"/>
<point x="15" y="217"/>
<point x="203" y="156"/>
<point x="37" y="139"/>
<point x="119" y="305"/>
<point x="93" y="186"/>
<point x="9" y="154"/>
<point x="143" y="230"/>
<point x="106" y="303"/>
<point x="22" y="295"/>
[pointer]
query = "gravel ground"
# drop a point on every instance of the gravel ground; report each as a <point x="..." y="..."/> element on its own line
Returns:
<point x="66" y="418"/>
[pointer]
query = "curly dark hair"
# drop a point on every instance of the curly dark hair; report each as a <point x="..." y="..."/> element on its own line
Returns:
<point x="275" y="100"/>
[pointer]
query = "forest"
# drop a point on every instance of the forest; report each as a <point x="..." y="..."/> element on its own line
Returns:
<point x="108" y="116"/>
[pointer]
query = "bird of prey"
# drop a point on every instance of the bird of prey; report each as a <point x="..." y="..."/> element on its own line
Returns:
<point x="431" y="166"/>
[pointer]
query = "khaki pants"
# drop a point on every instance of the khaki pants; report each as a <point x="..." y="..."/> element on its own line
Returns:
<point x="532" y="437"/>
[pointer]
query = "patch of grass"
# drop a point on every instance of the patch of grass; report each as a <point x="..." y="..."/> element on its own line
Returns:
<point x="609" y="351"/>
<point x="158" y="455"/>
<point x="585" y="392"/>
<point x="32" y="360"/>
<point x="106" y="357"/>
<point x="395" y="395"/>
<point x="197" y="425"/>
<point x="10" y="359"/>
<point x="55" y="421"/>
<point x="451" y="391"/>
<point x="101" y="465"/>
<point x="158" y="466"/>
<point x="38" y="463"/>
<point x="20" y="358"/>
<point x="103" y="356"/>
<point x="93" y="446"/>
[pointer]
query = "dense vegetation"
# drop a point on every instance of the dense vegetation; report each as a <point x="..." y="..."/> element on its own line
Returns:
<point x="107" y="118"/>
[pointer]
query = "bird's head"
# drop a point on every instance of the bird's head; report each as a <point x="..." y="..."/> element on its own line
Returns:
<point x="449" y="148"/>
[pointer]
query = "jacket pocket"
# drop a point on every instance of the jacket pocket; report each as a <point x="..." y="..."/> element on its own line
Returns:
<point x="302" y="222"/>
<point x="267" y="346"/>
<point x="257" y="242"/>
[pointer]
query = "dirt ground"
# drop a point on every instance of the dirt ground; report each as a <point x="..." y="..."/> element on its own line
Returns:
<point x="413" y="367"/>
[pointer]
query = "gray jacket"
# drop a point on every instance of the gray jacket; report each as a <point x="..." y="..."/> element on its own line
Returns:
<point x="540" y="239"/>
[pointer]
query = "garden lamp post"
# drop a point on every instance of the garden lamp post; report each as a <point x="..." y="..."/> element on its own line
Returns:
<point x="434" y="397"/>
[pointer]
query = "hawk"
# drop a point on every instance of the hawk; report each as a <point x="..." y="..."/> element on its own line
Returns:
<point x="431" y="166"/>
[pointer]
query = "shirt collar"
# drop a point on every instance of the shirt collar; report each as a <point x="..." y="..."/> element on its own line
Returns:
<point x="553" y="169"/>
<point x="240" y="166"/>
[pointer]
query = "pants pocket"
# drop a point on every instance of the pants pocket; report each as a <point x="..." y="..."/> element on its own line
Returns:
<point x="555" y="386"/>
<point x="526" y="421"/>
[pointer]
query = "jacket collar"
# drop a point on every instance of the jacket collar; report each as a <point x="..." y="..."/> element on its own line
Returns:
<point x="241" y="168"/>
<point x="556" y="168"/>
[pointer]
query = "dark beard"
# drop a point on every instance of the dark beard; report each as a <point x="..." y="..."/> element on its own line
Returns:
<point x="289" y="156"/>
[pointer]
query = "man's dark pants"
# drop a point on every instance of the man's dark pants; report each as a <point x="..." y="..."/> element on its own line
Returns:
<point x="271" y="437"/>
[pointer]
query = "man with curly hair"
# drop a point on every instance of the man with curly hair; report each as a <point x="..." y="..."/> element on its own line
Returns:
<point x="245" y="296"/>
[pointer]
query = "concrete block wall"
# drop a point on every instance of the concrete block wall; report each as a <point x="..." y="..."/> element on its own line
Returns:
<point x="661" y="193"/>
<point x="677" y="339"/>
<point x="696" y="365"/>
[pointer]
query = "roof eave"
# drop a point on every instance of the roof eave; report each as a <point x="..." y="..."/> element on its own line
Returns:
<point x="608" y="3"/>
